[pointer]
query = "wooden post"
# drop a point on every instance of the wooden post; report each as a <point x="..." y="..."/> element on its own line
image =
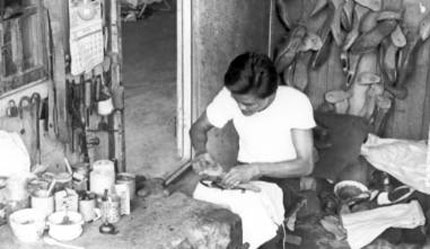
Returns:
<point x="116" y="120"/>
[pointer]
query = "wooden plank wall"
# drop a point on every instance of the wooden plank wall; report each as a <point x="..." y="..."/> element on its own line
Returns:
<point x="411" y="117"/>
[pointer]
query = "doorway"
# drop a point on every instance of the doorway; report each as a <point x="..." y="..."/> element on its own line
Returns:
<point x="153" y="78"/>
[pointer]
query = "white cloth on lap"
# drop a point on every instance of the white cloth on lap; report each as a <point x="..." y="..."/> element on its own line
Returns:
<point x="261" y="212"/>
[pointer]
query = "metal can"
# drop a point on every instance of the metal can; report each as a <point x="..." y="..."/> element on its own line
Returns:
<point x="80" y="176"/>
<point x="87" y="207"/>
<point x="128" y="179"/>
<point x="42" y="201"/>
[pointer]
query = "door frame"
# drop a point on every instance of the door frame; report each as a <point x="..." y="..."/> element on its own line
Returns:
<point x="184" y="117"/>
<point x="184" y="77"/>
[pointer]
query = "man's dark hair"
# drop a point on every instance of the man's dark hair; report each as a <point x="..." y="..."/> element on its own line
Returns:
<point x="251" y="73"/>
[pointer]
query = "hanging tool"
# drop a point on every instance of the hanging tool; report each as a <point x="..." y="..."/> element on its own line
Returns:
<point x="71" y="98"/>
<point x="57" y="88"/>
<point x="81" y="100"/>
<point x="12" y="109"/>
<point x="35" y="100"/>
<point x="23" y="102"/>
<point x="87" y="98"/>
<point x="97" y="88"/>
<point x="44" y="114"/>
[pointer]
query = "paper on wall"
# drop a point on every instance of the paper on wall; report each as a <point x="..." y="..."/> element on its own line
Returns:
<point x="86" y="37"/>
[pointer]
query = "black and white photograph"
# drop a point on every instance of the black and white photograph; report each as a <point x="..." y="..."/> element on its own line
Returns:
<point x="215" y="124"/>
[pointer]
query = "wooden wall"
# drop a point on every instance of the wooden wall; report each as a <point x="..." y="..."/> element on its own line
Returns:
<point x="411" y="117"/>
<point x="221" y="31"/>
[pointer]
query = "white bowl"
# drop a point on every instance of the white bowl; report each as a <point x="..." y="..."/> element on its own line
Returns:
<point x="27" y="224"/>
<point x="65" y="230"/>
<point x="349" y="189"/>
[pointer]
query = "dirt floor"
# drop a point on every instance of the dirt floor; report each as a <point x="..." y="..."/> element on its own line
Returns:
<point x="149" y="76"/>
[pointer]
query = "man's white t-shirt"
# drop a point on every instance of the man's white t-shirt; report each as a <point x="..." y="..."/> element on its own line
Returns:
<point x="266" y="135"/>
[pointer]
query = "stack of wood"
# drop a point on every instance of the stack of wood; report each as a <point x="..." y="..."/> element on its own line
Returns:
<point x="378" y="51"/>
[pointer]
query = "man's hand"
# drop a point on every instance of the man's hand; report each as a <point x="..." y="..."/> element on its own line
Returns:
<point x="204" y="165"/>
<point x="241" y="174"/>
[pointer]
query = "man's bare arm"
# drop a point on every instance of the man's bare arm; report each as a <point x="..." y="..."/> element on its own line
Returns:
<point x="301" y="166"/>
<point x="198" y="133"/>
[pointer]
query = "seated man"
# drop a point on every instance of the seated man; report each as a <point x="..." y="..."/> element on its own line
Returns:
<point x="274" y="123"/>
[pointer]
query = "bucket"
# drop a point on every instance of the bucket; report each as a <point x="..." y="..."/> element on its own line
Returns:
<point x="129" y="180"/>
<point x="102" y="176"/>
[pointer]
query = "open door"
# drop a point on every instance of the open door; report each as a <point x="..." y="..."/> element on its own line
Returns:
<point x="210" y="34"/>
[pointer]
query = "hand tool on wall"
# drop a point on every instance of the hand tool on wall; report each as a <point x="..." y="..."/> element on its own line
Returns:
<point x="81" y="100"/>
<point x="48" y="110"/>
<point x="36" y="100"/>
<point x="88" y="97"/>
<point x="23" y="103"/>
<point x="12" y="109"/>
<point x="58" y="93"/>
<point x="97" y="87"/>
<point x="44" y="114"/>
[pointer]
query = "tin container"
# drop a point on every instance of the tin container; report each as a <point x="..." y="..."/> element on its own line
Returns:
<point x="66" y="200"/>
<point x="102" y="176"/>
<point x="128" y="179"/>
<point x="87" y="208"/>
<point x="63" y="180"/>
<point x="41" y="201"/>
<point x="80" y="176"/>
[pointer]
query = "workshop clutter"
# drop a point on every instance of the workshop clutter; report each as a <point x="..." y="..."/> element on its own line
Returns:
<point x="406" y="160"/>
<point x="72" y="111"/>
<point x="65" y="201"/>
<point x="395" y="199"/>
